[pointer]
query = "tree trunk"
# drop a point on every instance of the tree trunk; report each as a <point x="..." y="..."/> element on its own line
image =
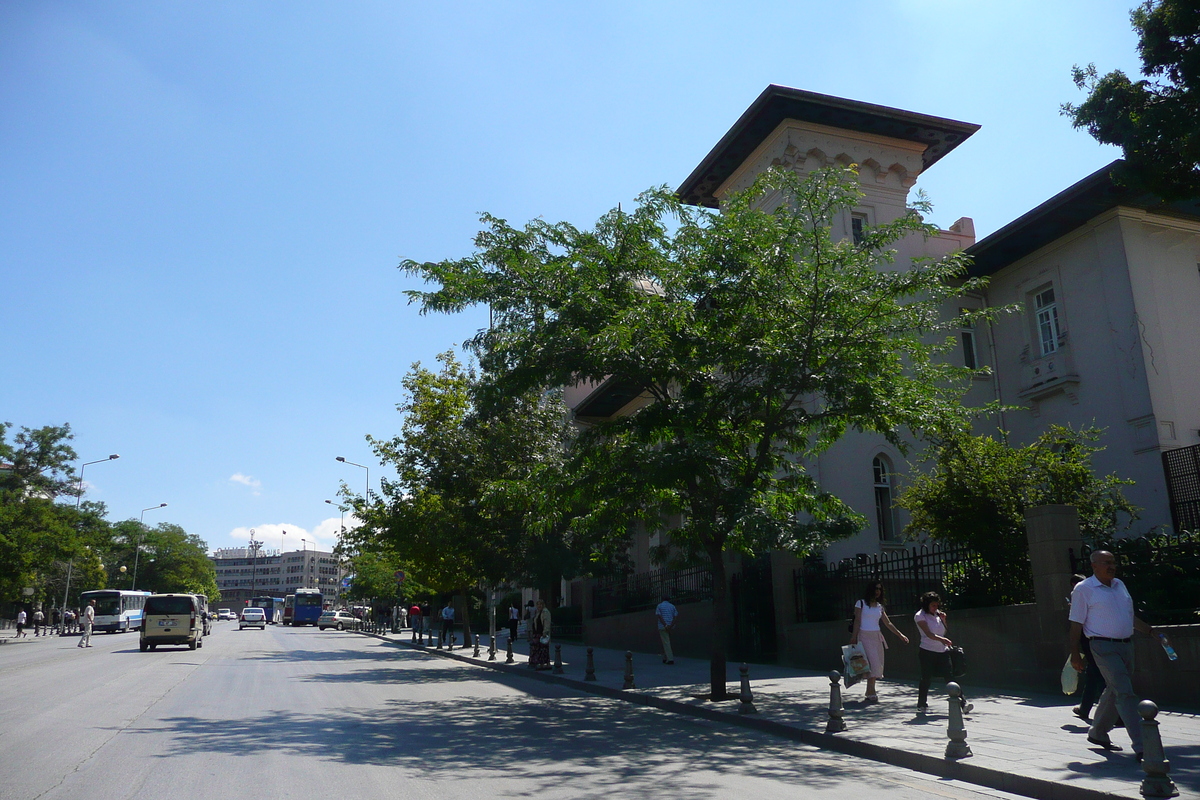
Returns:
<point x="465" y="603"/>
<point x="720" y="634"/>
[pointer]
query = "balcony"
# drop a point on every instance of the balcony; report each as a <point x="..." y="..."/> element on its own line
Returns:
<point x="1048" y="375"/>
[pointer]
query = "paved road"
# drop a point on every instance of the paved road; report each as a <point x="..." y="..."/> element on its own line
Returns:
<point x="286" y="713"/>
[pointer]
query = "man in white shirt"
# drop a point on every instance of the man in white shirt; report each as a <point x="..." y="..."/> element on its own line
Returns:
<point x="86" y="619"/>
<point x="666" y="614"/>
<point x="1102" y="610"/>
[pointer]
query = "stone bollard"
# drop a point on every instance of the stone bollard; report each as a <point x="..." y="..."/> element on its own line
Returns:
<point x="558" y="670"/>
<point x="439" y="642"/>
<point x="476" y="653"/>
<point x="492" y="649"/>
<point x="957" y="747"/>
<point x="836" y="723"/>
<point x="629" y="671"/>
<point x="510" y="659"/>
<point x="1157" y="782"/>
<point x="747" y="704"/>
<point x="589" y="673"/>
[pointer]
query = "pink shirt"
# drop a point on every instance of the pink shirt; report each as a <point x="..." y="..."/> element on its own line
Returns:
<point x="936" y="626"/>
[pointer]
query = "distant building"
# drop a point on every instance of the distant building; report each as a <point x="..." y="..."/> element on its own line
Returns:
<point x="241" y="575"/>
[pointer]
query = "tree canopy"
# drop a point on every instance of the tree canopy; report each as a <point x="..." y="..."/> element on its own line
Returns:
<point x="1153" y="120"/>
<point x="979" y="488"/>
<point x="459" y="513"/>
<point x="756" y="337"/>
<point x="42" y="537"/>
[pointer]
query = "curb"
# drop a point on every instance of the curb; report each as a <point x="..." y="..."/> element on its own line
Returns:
<point x="1037" y="788"/>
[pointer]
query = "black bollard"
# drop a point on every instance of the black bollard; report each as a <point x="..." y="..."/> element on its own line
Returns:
<point x="558" y="669"/>
<point x="1157" y="782"/>
<point x="509" y="659"/>
<point x="439" y="641"/>
<point x="492" y="649"/>
<point x="590" y="671"/>
<point x="747" y="704"/>
<point x="836" y="723"/>
<point x="629" y="684"/>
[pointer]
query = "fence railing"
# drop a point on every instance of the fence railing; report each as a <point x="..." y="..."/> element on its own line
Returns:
<point x="826" y="592"/>
<point x="643" y="590"/>
<point x="1161" y="571"/>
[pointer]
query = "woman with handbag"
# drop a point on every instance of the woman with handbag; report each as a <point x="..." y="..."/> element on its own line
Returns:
<point x="869" y="617"/>
<point x="934" y="650"/>
<point x="539" y="637"/>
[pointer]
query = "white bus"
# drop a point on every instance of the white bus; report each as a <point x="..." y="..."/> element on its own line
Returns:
<point x="117" y="610"/>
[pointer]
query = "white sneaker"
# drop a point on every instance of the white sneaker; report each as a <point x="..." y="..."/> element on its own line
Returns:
<point x="968" y="708"/>
<point x="922" y="709"/>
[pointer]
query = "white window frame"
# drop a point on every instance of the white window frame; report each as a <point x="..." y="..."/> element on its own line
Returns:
<point x="1046" y="320"/>
<point x="885" y="508"/>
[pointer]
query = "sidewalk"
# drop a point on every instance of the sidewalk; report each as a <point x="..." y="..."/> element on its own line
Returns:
<point x="1025" y="744"/>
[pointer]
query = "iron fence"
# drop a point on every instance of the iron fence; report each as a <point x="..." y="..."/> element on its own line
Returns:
<point x="637" y="592"/>
<point x="1182" y="469"/>
<point x="1161" y="571"/>
<point x="826" y="592"/>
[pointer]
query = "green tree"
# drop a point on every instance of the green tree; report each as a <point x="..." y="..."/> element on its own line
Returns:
<point x="1153" y="120"/>
<point x="38" y="534"/>
<point x="462" y="511"/>
<point x="980" y="487"/>
<point x="172" y="560"/>
<point x="759" y="338"/>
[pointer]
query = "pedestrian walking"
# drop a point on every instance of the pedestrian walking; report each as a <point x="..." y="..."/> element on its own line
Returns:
<point x="1102" y="611"/>
<point x="403" y="617"/>
<point x="68" y="621"/>
<point x="55" y="621"/>
<point x="448" y="623"/>
<point x="869" y="619"/>
<point x="666" y="614"/>
<point x="39" y="623"/>
<point x="21" y="617"/>
<point x="414" y="615"/>
<point x="514" y="619"/>
<point x="539" y="637"/>
<point x="85" y="620"/>
<point x="1093" y="682"/>
<point x="934" y="650"/>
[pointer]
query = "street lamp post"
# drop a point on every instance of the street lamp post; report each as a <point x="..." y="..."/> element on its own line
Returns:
<point x="342" y="524"/>
<point x="141" y="533"/>
<point x="253" y="565"/>
<point x="367" y="495"/>
<point x="78" y="498"/>
<point x="304" y="563"/>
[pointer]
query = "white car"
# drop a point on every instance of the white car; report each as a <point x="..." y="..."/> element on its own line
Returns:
<point x="336" y="619"/>
<point x="252" y="617"/>
<point x="226" y="614"/>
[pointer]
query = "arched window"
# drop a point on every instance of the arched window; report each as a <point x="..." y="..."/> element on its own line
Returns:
<point x="885" y="514"/>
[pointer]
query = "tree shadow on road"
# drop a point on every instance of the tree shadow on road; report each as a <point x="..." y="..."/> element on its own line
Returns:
<point x="546" y="742"/>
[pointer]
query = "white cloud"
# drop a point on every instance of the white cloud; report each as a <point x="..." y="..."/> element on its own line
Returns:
<point x="288" y="537"/>
<point x="247" y="480"/>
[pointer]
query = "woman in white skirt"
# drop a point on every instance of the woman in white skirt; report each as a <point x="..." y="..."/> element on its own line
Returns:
<point x="869" y="618"/>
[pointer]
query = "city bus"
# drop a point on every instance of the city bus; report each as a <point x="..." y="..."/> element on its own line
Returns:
<point x="271" y="606"/>
<point x="303" y="607"/>
<point x="117" y="610"/>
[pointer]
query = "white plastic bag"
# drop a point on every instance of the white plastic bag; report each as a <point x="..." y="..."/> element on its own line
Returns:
<point x="854" y="663"/>
<point x="1070" y="678"/>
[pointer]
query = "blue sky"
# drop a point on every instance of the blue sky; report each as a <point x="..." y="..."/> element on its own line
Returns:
<point x="203" y="205"/>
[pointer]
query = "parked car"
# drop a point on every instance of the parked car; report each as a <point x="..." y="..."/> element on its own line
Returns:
<point x="172" y="619"/>
<point x="226" y="614"/>
<point x="252" y="617"/>
<point x="336" y="619"/>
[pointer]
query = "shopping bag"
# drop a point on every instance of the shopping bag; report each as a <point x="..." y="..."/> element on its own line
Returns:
<point x="958" y="662"/>
<point x="854" y="663"/>
<point x="1070" y="678"/>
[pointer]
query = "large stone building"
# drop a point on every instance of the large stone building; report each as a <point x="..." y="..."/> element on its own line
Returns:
<point x="243" y="574"/>
<point x="1105" y="283"/>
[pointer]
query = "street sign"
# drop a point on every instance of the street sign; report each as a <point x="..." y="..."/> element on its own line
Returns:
<point x="399" y="576"/>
